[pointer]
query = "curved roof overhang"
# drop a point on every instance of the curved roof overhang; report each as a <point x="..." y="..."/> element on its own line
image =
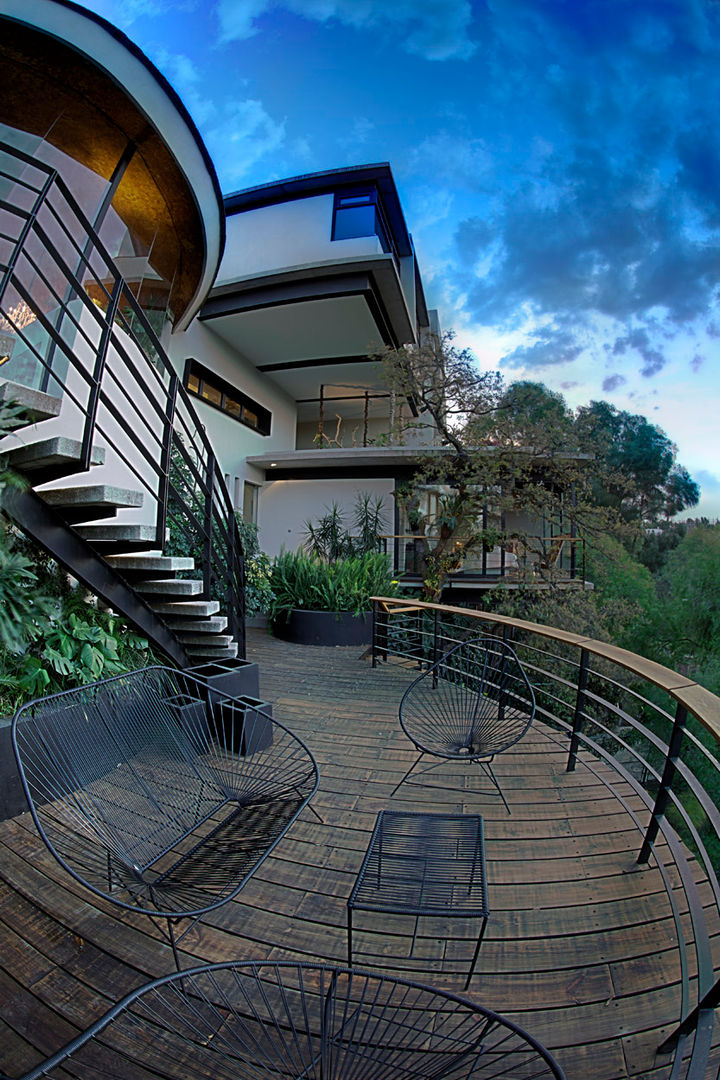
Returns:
<point x="109" y="92"/>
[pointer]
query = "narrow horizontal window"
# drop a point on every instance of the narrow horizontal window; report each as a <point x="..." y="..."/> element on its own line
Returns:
<point x="215" y="391"/>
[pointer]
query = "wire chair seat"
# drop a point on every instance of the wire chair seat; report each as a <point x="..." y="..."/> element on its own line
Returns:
<point x="473" y="703"/>
<point x="163" y="810"/>
<point x="284" y="1021"/>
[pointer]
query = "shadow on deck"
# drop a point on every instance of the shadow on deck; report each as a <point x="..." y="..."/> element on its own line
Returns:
<point x="580" y="947"/>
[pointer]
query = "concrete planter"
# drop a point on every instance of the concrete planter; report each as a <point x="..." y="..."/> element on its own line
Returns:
<point x="228" y="678"/>
<point x="325" y="628"/>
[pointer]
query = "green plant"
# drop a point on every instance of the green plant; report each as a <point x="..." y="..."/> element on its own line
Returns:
<point x="72" y="644"/>
<point x="346" y="585"/>
<point x="259" y="595"/>
<point x="329" y="538"/>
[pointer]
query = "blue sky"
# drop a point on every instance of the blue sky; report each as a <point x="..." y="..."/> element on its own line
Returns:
<point x="558" y="161"/>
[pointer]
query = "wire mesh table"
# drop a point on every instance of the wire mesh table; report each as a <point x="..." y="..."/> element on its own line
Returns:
<point x="423" y="864"/>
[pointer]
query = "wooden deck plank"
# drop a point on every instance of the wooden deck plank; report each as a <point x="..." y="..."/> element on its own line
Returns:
<point x="580" y="946"/>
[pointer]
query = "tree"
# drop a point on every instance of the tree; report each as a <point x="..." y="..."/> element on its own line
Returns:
<point x="637" y="473"/>
<point x="504" y="447"/>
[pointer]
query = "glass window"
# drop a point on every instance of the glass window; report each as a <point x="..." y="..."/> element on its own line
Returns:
<point x="360" y="214"/>
<point x="250" y="502"/>
<point x="205" y="384"/>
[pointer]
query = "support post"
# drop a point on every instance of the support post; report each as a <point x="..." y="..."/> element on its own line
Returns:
<point x="578" y="719"/>
<point x="663" y="795"/>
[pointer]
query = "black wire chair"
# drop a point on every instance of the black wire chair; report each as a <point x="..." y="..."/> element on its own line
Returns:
<point x="475" y="702"/>
<point x="157" y="796"/>
<point x="265" y="1021"/>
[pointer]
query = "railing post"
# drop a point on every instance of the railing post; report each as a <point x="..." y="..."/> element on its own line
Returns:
<point x="380" y="633"/>
<point x="706" y="1005"/>
<point x="578" y="718"/>
<point x="97" y="375"/>
<point x="208" y="552"/>
<point x="166" y="460"/>
<point x="435" y="649"/>
<point x="663" y="795"/>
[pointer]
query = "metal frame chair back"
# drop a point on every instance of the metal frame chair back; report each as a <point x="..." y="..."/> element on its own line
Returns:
<point x="156" y="796"/>
<point x="284" y="1021"/>
<point x="473" y="703"/>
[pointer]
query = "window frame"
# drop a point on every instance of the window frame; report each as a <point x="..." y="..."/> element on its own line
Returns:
<point x="247" y="406"/>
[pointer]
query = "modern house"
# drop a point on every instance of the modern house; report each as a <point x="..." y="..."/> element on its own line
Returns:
<point x="179" y="356"/>
<point x="184" y="356"/>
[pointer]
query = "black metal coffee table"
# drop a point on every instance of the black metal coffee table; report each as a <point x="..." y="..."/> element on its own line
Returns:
<point x="423" y="864"/>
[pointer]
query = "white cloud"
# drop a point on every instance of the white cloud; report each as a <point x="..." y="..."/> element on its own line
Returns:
<point x="434" y="29"/>
<point x="238" y="132"/>
<point x="245" y="132"/>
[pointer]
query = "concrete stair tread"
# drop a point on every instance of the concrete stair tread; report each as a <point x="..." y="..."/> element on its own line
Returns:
<point x="51" y="455"/>
<point x="196" y="608"/>
<point x="220" y="641"/>
<point x="92" y="495"/>
<point x="36" y="405"/>
<point x="198" y="652"/>
<point x="150" y="564"/>
<point x="170" y="587"/>
<point x="113" y="533"/>
<point x="213" y="624"/>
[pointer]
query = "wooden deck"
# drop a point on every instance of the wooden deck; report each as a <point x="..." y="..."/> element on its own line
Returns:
<point x="580" y="948"/>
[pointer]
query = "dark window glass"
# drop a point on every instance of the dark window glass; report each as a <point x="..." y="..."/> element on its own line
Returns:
<point x="360" y="214"/>
<point x="205" y="384"/>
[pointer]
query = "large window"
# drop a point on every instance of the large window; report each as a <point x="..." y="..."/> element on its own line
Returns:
<point x="209" y="387"/>
<point x="360" y="213"/>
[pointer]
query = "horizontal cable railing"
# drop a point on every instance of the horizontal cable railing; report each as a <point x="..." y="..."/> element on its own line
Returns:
<point x="658" y="729"/>
<point x="71" y="326"/>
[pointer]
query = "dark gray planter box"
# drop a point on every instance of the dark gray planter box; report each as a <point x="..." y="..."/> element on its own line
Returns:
<point x="246" y="730"/>
<point x="191" y="714"/>
<point x="228" y="678"/>
<point x="325" y="628"/>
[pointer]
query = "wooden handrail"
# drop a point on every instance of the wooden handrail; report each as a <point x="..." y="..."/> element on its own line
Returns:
<point x="699" y="701"/>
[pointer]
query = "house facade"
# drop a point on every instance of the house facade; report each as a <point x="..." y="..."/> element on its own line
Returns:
<point x="184" y="356"/>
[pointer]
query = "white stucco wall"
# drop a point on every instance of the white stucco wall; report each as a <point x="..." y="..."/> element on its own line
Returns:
<point x="287" y="234"/>
<point x="231" y="440"/>
<point x="285" y="506"/>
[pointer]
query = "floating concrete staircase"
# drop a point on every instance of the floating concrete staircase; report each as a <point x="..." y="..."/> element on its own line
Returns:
<point x="127" y="549"/>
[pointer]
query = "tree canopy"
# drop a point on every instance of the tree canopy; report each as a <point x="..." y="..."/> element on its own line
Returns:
<point x="521" y="447"/>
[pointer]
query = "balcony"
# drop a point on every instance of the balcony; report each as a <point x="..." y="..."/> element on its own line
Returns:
<point x="595" y="953"/>
<point x="536" y="561"/>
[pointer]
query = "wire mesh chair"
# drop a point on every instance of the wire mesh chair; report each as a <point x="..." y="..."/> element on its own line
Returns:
<point x="246" y="1021"/>
<point x="154" y="795"/>
<point x="472" y="704"/>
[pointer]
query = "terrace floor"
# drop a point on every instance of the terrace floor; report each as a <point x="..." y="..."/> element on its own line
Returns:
<point x="580" y="947"/>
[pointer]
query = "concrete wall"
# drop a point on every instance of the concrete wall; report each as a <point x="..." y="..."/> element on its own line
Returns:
<point x="288" y="234"/>
<point x="285" y="506"/>
<point x="231" y="440"/>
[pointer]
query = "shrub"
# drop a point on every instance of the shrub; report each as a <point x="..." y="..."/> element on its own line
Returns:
<point x="306" y="582"/>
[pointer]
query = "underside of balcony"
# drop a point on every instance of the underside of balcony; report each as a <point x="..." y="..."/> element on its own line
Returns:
<point x="581" y="946"/>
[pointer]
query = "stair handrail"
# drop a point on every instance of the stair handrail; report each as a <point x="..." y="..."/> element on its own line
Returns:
<point x="222" y="570"/>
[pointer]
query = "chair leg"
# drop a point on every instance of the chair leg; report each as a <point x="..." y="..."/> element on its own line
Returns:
<point x="415" y="762"/>
<point x="489" y="772"/>
<point x="312" y="810"/>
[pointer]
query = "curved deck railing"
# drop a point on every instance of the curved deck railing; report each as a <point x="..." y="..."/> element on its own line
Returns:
<point x="658" y="729"/>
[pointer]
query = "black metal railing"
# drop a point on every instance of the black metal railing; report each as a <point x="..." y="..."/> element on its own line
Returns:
<point x="72" y="326"/>
<point x="530" y="560"/>
<point x="660" y="733"/>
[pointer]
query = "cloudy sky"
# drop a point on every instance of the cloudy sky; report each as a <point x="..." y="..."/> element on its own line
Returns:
<point x="558" y="161"/>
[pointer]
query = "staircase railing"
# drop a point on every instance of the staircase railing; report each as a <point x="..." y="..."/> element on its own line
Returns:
<point x="660" y="732"/>
<point x="71" y="325"/>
